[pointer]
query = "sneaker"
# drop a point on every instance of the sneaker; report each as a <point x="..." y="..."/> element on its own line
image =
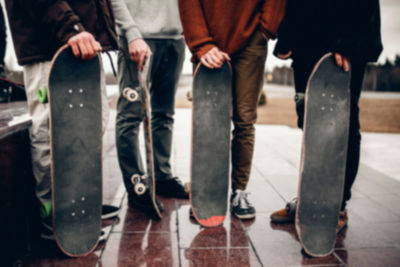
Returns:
<point x="171" y="188"/>
<point x="108" y="212"/>
<point x="144" y="202"/>
<point x="285" y="215"/>
<point x="342" y="222"/>
<point x="241" y="206"/>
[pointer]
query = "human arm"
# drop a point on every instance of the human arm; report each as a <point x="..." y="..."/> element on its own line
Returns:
<point x="197" y="35"/>
<point x="64" y="25"/>
<point x="138" y="48"/>
<point x="272" y="14"/>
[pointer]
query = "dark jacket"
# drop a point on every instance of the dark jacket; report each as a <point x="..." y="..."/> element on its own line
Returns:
<point x="40" y="27"/>
<point x="349" y="27"/>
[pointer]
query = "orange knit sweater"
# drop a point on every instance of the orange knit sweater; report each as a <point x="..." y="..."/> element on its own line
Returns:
<point x="227" y="24"/>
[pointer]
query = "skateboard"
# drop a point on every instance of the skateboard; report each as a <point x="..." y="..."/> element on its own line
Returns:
<point x="144" y="184"/>
<point x="323" y="156"/>
<point x="211" y="126"/>
<point x="74" y="97"/>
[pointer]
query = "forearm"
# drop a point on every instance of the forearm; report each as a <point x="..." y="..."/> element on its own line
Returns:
<point x="58" y="16"/>
<point x="195" y="28"/>
<point x="272" y="15"/>
<point x="126" y="24"/>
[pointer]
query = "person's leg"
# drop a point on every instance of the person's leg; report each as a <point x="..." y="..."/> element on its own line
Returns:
<point x="166" y="69"/>
<point x="36" y="76"/>
<point x="353" y="154"/>
<point x="303" y="64"/>
<point x="3" y="41"/>
<point x="129" y="117"/>
<point x="248" y="72"/>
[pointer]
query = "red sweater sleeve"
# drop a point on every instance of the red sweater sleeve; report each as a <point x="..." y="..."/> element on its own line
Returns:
<point x="272" y="15"/>
<point x="195" y="30"/>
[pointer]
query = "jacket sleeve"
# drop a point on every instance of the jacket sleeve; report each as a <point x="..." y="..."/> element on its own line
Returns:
<point x="57" y="15"/>
<point x="286" y="32"/>
<point x="352" y="25"/>
<point x="195" y="30"/>
<point x="125" y="22"/>
<point x="272" y="15"/>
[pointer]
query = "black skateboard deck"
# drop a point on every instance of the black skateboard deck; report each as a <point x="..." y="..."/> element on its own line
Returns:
<point x="211" y="126"/>
<point x="145" y="184"/>
<point x="74" y="96"/>
<point x="323" y="157"/>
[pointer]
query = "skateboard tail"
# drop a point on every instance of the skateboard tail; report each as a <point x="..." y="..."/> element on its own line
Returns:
<point x="212" y="221"/>
<point x="315" y="241"/>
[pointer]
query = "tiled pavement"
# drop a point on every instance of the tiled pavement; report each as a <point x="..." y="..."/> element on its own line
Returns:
<point x="372" y="237"/>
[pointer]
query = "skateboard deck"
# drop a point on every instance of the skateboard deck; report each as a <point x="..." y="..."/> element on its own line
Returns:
<point x="211" y="126"/>
<point x="323" y="158"/>
<point x="145" y="184"/>
<point x="74" y="96"/>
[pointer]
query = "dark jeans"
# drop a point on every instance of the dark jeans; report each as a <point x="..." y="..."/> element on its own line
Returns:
<point x="2" y="36"/>
<point x="165" y="69"/>
<point x="302" y="66"/>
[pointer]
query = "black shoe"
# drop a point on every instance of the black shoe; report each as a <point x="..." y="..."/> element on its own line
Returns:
<point x="108" y="212"/>
<point x="241" y="206"/>
<point x="171" y="188"/>
<point x="144" y="202"/>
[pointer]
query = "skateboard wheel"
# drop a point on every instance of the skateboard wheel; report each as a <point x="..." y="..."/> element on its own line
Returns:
<point x="46" y="210"/>
<point x="189" y="95"/>
<point x="42" y="94"/>
<point x="135" y="179"/>
<point x="140" y="189"/>
<point x="130" y="94"/>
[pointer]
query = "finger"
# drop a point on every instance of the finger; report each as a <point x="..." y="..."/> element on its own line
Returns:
<point x="83" y="49"/>
<point x="216" y="61"/>
<point x="92" y="51"/>
<point x="75" y="49"/>
<point x="226" y="56"/>
<point x="95" y="45"/>
<point x="346" y="65"/>
<point x="141" y="61"/>
<point x="205" y="63"/>
<point x="338" y="59"/>
<point x="211" y="60"/>
<point x="219" y="56"/>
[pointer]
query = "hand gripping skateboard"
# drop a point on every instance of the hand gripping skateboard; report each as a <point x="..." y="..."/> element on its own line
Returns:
<point x="144" y="184"/>
<point x="212" y="101"/>
<point x="74" y="96"/>
<point x="323" y="157"/>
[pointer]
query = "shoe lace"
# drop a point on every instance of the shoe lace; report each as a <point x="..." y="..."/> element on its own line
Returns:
<point x="240" y="199"/>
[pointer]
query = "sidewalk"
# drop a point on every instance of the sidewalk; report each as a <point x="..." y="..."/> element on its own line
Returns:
<point x="372" y="237"/>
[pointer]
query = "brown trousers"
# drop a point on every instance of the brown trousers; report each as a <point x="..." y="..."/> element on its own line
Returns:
<point x="248" y="73"/>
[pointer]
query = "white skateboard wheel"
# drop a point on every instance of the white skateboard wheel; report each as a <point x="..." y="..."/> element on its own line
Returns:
<point x="130" y="94"/>
<point x="140" y="189"/>
<point x="135" y="179"/>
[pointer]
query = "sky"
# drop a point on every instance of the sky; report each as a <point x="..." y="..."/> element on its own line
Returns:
<point x="390" y="15"/>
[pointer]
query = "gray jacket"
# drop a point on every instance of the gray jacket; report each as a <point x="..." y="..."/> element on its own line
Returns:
<point x="147" y="19"/>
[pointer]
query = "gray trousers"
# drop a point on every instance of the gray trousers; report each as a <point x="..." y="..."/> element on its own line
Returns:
<point x="165" y="69"/>
<point x="36" y="76"/>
